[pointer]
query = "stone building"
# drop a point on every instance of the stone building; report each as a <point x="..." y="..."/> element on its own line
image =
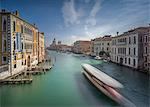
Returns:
<point x="82" y="47"/>
<point x="146" y="47"/>
<point x="129" y="48"/>
<point x="41" y="47"/>
<point x="18" y="44"/>
<point x="101" y="44"/>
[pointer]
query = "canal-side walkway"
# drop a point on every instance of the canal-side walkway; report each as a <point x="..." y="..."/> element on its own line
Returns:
<point x="24" y="77"/>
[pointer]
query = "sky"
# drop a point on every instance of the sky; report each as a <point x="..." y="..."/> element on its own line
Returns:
<point x="71" y="20"/>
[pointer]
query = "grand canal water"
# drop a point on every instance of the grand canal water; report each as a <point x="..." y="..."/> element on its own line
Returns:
<point x="65" y="86"/>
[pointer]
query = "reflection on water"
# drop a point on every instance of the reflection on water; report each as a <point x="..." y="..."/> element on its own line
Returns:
<point x="64" y="85"/>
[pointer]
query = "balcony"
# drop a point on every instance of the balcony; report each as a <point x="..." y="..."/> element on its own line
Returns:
<point x="121" y="43"/>
<point x="4" y="68"/>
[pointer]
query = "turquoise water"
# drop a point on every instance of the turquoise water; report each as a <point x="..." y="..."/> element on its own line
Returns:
<point x="65" y="85"/>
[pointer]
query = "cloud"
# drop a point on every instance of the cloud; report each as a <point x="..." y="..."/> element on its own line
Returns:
<point x="92" y="17"/>
<point x="70" y="14"/>
<point x="122" y="17"/>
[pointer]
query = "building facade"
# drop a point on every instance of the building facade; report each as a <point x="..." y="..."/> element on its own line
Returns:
<point x="35" y="46"/>
<point x="149" y="50"/>
<point x="101" y="44"/>
<point x="41" y="47"/>
<point x="16" y="44"/>
<point x="64" y="48"/>
<point x="128" y="48"/>
<point x="82" y="47"/>
<point x="146" y="52"/>
<point x="58" y="46"/>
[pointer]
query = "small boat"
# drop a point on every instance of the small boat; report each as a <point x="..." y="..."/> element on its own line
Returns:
<point x="98" y="58"/>
<point x="106" y="84"/>
<point x="105" y="60"/>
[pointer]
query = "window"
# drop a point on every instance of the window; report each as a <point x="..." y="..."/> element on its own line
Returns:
<point x="22" y="45"/>
<point x="4" y="25"/>
<point x="14" y="26"/>
<point x="15" y="57"/>
<point x="125" y="60"/>
<point x="133" y="62"/>
<point x="129" y="51"/>
<point x="5" y="45"/>
<point x="146" y="50"/>
<point x="129" y="40"/>
<point x="108" y="44"/>
<point x="21" y="28"/>
<point x="129" y="61"/>
<point x="141" y="39"/>
<point x="134" y="51"/>
<point x="27" y="30"/>
<point x="14" y="65"/>
<point x="25" y="62"/>
<point x="145" y="59"/>
<point x="107" y="48"/>
<point x="14" y="45"/>
<point x="146" y="39"/>
<point x="4" y="58"/>
<point x="134" y="39"/>
<point x="125" y="51"/>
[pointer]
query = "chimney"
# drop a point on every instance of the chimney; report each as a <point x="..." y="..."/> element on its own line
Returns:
<point x="117" y="33"/>
<point x="42" y="33"/>
<point x="17" y="13"/>
<point x="34" y="25"/>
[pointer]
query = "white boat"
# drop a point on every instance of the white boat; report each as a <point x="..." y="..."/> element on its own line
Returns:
<point x="98" y="58"/>
<point x="105" y="60"/>
<point x="106" y="84"/>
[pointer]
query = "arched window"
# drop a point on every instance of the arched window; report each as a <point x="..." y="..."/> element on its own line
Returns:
<point x="4" y="25"/>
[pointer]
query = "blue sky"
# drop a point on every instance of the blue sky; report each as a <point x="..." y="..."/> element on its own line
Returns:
<point x="71" y="20"/>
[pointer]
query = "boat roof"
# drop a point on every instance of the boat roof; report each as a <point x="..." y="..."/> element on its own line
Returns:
<point x="103" y="77"/>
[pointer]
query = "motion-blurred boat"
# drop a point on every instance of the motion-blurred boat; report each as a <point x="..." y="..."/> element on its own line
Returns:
<point x="106" y="84"/>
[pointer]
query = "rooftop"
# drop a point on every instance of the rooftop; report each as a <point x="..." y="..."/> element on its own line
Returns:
<point x="133" y="31"/>
<point x="104" y="38"/>
<point x="16" y="14"/>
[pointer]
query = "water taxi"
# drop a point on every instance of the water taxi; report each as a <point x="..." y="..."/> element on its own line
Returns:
<point x="106" y="84"/>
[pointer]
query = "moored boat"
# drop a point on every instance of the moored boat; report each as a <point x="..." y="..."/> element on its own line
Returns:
<point x="106" y="84"/>
<point x="98" y="58"/>
<point x="105" y="60"/>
